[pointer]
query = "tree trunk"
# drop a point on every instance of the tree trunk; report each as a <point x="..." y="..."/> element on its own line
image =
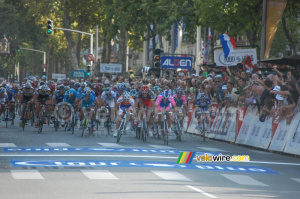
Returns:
<point x="78" y="45"/>
<point x="71" y="42"/>
<point x="122" y="49"/>
<point x="109" y="50"/>
<point x="289" y="36"/>
<point x="103" y="56"/>
<point x="50" y="65"/>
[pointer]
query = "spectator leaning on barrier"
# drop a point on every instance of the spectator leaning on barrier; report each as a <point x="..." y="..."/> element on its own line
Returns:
<point x="264" y="94"/>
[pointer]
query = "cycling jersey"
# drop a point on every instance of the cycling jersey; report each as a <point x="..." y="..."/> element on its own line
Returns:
<point x="73" y="98"/>
<point x="59" y="97"/>
<point x="147" y="99"/>
<point x="88" y="102"/>
<point x="11" y="94"/>
<point x="180" y="102"/>
<point x="3" y="98"/>
<point x="125" y="104"/>
<point x="165" y="104"/>
<point x="203" y="104"/>
<point x="106" y="97"/>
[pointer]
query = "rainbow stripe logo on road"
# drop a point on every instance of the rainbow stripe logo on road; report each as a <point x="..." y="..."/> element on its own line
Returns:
<point x="185" y="157"/>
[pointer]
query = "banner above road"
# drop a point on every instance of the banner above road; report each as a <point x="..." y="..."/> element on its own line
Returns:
<point x="172" y="62"/>
<point x="110" y="68"/>
<point x="235" y="57"/>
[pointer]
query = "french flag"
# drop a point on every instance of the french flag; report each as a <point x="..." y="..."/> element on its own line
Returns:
<point x="228" y="44"/>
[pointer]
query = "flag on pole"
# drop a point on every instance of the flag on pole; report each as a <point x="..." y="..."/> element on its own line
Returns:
<point x="228" y="44"/>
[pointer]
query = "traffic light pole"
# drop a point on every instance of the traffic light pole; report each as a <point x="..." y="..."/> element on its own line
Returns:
<point x="44" y="69"/>
<point x="85" y="33"/>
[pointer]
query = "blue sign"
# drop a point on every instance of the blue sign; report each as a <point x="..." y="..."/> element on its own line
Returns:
<point x="151" y="164"/>
<point x="176" y="62"/>
<point x="99" y="149"/>
<point x="78" y="74"/>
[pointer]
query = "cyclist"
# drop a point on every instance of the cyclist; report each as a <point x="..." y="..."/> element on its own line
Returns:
<point x="203" y="102"/>
<point x="181" y="102"/>
<point x="88" y="101"/>
<point x="109" y="98"/>
<point x="165" y="101"/>
<point x="11" y="98"/>
<point x="145" y="100"/>
<point x="70" y="98"/>
<point x="43" y="96"/>
<point x="26" y="96"/>
<point x="125" y="102"/>
<point x="3" y="100"/>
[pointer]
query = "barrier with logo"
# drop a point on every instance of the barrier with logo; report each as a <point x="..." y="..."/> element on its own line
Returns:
<point x="247" y="125"/>
<point x="293" y="142"/>
<point x="232" y="125"/>
<point x="282" y="134"/>
<point x="221" y="132"/>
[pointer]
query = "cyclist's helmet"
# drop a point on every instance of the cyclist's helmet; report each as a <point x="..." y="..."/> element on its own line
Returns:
<point x="67" y="88"/>
<point x="59" y="82"/>
<point x="2" y="90"/>
<point x="83" y="84"/>
<point x="44" y="77"/>
<point x="72" y="82"/>
<point x="133" y="92"/>
<point x="145" y="88"/>
<point x="94" y="85"/>
<point x="27" y="85"/>
<point x="42" y="83"/>
<point x="87" y="92"/>
<point x="106" y="83"/>
<point x="87" y="89"/>
<point x="61" y="87"/>
<point x="126" y="96"/>
<point x="167" y="93"/>
<point x="179" y="90"/>
<point x="77" y="84"/>
<point x="45" y="88"/>
<point x="202" y="96"/>
<point x="50" y="82"/>
<point x="4" y="83"/>
<point x="120" y="86"/>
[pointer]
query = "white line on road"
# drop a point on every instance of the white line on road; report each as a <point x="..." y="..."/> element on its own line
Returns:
<point x="160" y="146"/>
<point x="99" y="175"/>
<point x="114" y="145"/>
<point x="296" y="179"/>
<point x="243" y="180"/>
<point x="26" y="174"/>
<point x="212" y="149"/>
<point x="171" y="175"/>
<point x="58" y="144"/>
<point x="200" y="191"/>
<point x="7" y="145"/>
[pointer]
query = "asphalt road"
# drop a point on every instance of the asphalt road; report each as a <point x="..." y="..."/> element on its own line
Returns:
<point x="61" y="165"/>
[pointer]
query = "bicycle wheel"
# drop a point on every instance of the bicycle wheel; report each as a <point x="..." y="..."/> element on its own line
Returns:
<point x="41" y="123"/>
<point x="91" y="128"/>
<point x="144" y="135"/>
<point x="73" y="124"/>
<point x="203" y="129"/>
<point x="83" y="125"/>
<point x="120" y="131"/>
<point x="108" y="126"/>
<point x="24" y="121"/>
<point x="13" y="119"/>
<point x="6" y="117"/>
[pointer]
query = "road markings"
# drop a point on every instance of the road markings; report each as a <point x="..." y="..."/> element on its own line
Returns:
<point x="7" y="145"/>
<point x="58" y="144"/>
<point x="200" y="191"/>
<point x="243" y="180"/>
<point x="258" y="196"/>
<point x="296" y="179"/>
<point x="212" y="149"/>
<point x="110" y="145"/>
<point x="99" y="175"/>
<point x="160" y="146"/>
<point x="26" y="174"/>
<point x="171" y="175"/>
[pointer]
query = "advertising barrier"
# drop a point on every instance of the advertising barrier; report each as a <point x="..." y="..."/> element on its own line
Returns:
<point x="293" y="143"/>
<point x="247" y="125"/>
<point x="232" y="125"/>
<point x="282" y="134"/>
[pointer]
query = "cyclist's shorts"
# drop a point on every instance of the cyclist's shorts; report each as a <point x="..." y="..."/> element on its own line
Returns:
<point x="161" y="108"/>
<point x="26" y="99"/>
<point x="110" y="103"/>
<point x="204" y="109"/>
<point x="147" y="103"/>
<point x="121" y="110"/>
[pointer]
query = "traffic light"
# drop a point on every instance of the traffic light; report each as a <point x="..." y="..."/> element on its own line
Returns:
<point x="157" y="57"/>
<point x="49" y="26"/>
<point x="18" y="48"/>
<point x="88" y="70"/>
<point x="44" y="75"/>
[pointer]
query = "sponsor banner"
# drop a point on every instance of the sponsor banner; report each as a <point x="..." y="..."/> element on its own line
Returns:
<point x="218" y="121"/>
<point x="241" y="116"/>
<point x="293" y="143"/>
<point x="247" y="125"/>
<point x="232" y="126"/>
<point x="58" y="76"/>
<point x="275" y="120"/>
<point x="110" y="68"/>
<point x="264" y="136"/>
<point x="237" y="56"/>
<point x="78" y="74"/>
<point x="282" y="134"/>
<point x="219" y="132"/>
<point x="213" y="113"/>
<point x="176" y="62"/>
<point x="151" y="164"/>
<point x="253" y="134"/>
